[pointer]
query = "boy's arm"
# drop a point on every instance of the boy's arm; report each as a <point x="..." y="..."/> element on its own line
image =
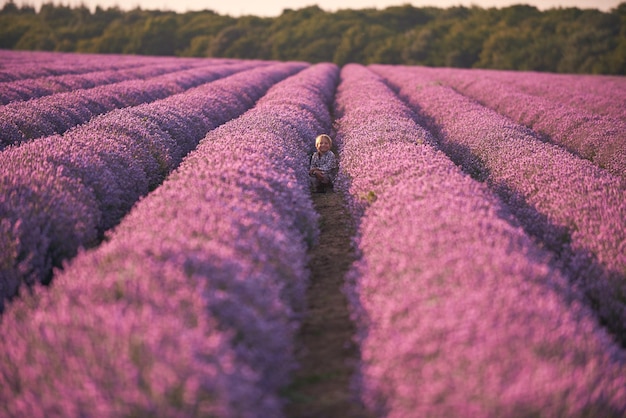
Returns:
<point x="335" y="168"/>
<point x="312" y="164"/>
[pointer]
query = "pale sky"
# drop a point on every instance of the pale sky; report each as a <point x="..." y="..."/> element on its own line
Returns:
<point x="272" y="8"/>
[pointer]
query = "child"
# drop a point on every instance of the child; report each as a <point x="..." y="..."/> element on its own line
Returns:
<point x="323" y="167"/>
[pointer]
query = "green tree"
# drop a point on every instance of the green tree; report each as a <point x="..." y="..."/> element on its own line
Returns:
<point x="589" y="44"/>
<point x="14" y="26"/>
<point x="352" y="46"/>
<point x="245" y="39"/>
<point x="360" y="43"/>
<point x="464" y="41"/>
<point x="617" y="59"/>
<point x="388" y="52"/>
<point x="38" y="37"/>
<point x="423" y="46"/>
<point x="197" y="29"/>
<point x="302" y="34"/>
<point x="518" y="37"/>
<point x="114" y="40"/>
<point x="157" y="35"/>
<point x="505" y="50"/>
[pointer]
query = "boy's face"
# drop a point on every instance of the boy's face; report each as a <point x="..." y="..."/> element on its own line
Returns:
<point x="323" y="146"/>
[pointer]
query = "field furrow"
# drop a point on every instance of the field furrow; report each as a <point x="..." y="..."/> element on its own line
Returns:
<point x="191" y="306"/>
<point x="460" y="313"/>
<point x="572" y="207"/>
<point x="62" y="192"/>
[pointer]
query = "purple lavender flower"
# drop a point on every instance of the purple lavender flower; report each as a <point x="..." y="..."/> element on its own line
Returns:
<point x="594" y="136"/>
<point x="174" y="229"/>
<point x="22" y="65"/>
<point x="58" y="113"/>
<point x="459" y="312"/>
<point x="196" y="293"/>
<point x="572" y="207"/>
<point x="38" y="87"/>
<point x="599" y="95"/>
<point x="118" y="158"/>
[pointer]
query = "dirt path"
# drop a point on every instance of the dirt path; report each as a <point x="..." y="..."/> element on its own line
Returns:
<point x="327" y="353"/>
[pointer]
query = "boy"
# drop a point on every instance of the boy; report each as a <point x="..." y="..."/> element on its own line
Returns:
<point x="323" y="169"/>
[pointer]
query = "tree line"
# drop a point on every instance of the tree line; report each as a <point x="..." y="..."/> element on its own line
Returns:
<point x="520" y="37"/>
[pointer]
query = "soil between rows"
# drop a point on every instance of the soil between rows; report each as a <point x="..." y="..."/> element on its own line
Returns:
<point x="326" y="351"/>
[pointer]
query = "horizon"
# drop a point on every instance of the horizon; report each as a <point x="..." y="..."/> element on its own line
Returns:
<point x="274" y="8"/>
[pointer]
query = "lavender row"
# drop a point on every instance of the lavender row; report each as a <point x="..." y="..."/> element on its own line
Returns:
<point x="574" y="208"/>
<point x="459" y="313"/>
<point x="49" y="115"/>
<point x="20" y="90"/>
<point x="190" y="308"/>
<point x="50" y="64"/>
<point x="62" y="192"/>
<point x="600" y="95"/>
<point x="597" y="138"/>
<point x="21" y="65"/>
<point x="17" y="57"/>
<point x="33" y="64"/>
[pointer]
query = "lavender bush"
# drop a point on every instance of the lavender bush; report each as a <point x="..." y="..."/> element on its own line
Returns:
<point x="600" y="139"/>
<point x="115" y="159"/>
<point x="601" y="95"/>
<point x="190" y="307"/>
<point x="20" y="65"/>
<point x="13" y="91"/>
<point x="59" y="112"/>
<point x="459" y="312"/>
<point x="171" y="240"/>
<point x="574" y="208"/>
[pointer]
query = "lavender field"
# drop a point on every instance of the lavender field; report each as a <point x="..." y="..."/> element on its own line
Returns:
<point x="156" y="225"/>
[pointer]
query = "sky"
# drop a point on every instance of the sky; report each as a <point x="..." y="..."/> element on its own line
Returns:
<point x="272" y="8"/>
